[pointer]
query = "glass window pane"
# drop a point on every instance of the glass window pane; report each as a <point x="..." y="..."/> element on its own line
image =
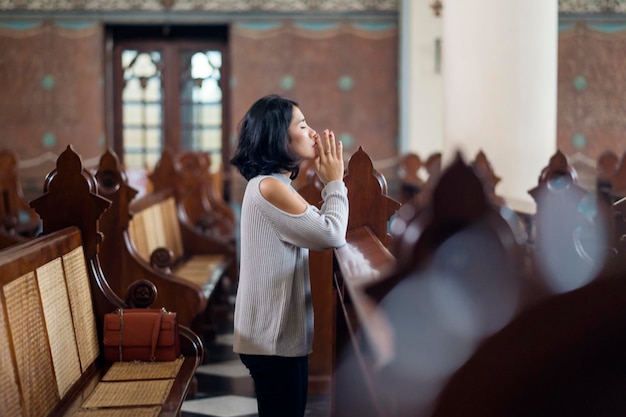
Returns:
<point x="141" y="107"/>
<point x="210" y="115"/>
<point x="210" y="92"/>
<point x="133" y="114"/>
<point x="152" y="159"/>
<point x="201" y="100"/>
<point x="132" y="90"/>
<point x="127" y="57"/>
<point x="211" y="139"/>
<point x="153" y="115"/>
<point x="215" y="58"/>
<point x="153" y="139"/>
<point x="143" y="65"/>
<point x="153" y="89"/>
<point x="133" y="160"/>
<point x="133" y="138"/>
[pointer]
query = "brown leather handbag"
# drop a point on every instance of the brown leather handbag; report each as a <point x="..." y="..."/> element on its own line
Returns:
<point x="141" y="334"/>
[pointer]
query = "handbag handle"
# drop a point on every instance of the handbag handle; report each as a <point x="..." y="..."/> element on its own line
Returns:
<point x="120" y="313"/>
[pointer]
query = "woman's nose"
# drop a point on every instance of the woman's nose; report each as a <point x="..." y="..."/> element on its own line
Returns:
<point x="313" y="133"/>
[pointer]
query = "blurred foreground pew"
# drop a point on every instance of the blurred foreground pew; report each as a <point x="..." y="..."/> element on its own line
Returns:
<point x="469" y="319"/>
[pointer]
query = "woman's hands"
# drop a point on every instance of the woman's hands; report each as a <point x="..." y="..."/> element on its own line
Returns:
<point x="329" y="161"/>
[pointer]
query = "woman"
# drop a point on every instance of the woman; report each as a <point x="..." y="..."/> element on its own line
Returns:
<point x="273" y="310"/>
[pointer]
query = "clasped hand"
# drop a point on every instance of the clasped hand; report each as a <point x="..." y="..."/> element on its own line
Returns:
<point x="329" y="161"/>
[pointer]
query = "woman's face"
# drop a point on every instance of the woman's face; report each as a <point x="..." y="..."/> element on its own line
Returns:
<point x="301" y="141"/>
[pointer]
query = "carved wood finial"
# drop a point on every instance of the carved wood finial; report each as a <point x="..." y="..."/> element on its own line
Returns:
<point x="113" y="184"/>
<point x="369" y="188"/>
<point x="165" y="172"/>
<point x="70" y="199"/>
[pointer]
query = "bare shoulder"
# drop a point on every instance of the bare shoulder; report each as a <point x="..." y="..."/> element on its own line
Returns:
<point x="281" y="196"/>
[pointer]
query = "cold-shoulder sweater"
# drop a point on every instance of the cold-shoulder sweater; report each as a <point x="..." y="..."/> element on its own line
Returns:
<point x="273" y="309"/>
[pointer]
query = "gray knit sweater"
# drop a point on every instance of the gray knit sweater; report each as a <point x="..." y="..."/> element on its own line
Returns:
<point x="273" y="310"/>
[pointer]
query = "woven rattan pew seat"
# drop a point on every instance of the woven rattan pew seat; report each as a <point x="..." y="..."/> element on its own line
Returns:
<point x="147" y="239"/>
<point x="53" y="295"/>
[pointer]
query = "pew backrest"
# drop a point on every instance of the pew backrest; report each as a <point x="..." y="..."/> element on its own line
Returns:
<point x="47" y="324"/>
<point x="155" y="226"/>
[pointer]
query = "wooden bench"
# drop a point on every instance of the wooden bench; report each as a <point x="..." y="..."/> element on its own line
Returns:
<point x="395" y="350"/>
<point x="324" y="305"/>
<point x="561" y="357"/>
<point x="574" y="228"/>
<point x="412" y="176"/>
<point x="200" y="202"/>
<point x="365" y="188"/>
<point x="147" y="240"/>
<point x="18" y="221"/>
<point x="458" y="326"/>
<point x="203" y="202"/>
<point x="365" y="259"/>
<point x="53" y="297"/>
<point x="559" y="354"/>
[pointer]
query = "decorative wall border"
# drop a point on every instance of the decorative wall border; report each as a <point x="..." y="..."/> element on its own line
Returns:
<point x="261" y="6"/>
<point x="592" y="6"/>
<point x="230" y="6"/>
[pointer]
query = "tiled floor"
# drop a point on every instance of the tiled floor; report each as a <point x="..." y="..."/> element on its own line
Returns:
<point x="225" y="388"/>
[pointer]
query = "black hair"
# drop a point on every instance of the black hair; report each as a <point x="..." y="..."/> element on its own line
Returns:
<point x="263" y="138"/>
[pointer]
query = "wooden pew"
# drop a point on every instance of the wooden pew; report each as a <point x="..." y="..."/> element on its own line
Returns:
<point x="146" y="240"/>
<point x="53" y="297"/>
<point x="519" y="214"/>
<point x="574" y="228"/>
<point x="459" y="325"/>
<point x="202" y="206"/>
<point x="364" y="260"/>
<point x="619" y="235"/>
<point x="217" y="216"/>
<point x="409" y="173"/>
<point x="611" y="186"/>
<point x="370" y="208"/>
<point x="324" y="305"/>
<point x="560" y="358"/>
<point x="487" y="175"/>
<point x="611" y="175"/>
<point x="561" y="354"/>
<point x="18" y="221"/>
<point x="401" y="351"/>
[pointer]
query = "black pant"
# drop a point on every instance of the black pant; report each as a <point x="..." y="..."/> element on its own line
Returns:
<point x="281" y="384"/>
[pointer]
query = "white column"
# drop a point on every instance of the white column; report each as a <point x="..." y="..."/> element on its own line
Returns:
<point x="500" y="86"/>
<point x="421" y="79"/>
